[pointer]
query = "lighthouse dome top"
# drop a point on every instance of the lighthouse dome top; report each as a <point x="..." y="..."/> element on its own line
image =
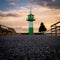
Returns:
<point x="30" y="14"/>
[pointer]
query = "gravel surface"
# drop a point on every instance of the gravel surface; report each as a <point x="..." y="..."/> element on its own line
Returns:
<point x="30" y="47"/>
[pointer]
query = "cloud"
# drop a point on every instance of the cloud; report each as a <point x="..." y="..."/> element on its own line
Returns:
<point x="12" y="2"/>
<point x="48" y="3"/>
<point x="2" y="14"/>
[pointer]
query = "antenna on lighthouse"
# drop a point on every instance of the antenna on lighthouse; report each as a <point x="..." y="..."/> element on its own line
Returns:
<point x="30" y="10"/>
<point x="30" y="2"/>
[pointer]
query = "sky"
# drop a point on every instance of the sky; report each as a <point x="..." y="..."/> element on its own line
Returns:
<point x="13" y="13"/>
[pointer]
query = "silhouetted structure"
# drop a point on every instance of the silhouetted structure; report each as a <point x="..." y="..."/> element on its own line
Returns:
<point x="4" y="30"/>
<point x="42" y="28"/>
<point x="55" y="27"/>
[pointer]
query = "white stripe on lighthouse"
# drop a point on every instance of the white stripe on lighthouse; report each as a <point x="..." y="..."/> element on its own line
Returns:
<point x="30" y="24"/>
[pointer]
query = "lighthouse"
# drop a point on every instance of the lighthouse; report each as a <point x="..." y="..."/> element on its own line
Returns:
<point x="30" y="20"/>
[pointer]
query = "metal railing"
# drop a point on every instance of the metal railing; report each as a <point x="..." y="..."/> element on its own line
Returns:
<point x="55" y="28"/>
<point x="5" y="30"/>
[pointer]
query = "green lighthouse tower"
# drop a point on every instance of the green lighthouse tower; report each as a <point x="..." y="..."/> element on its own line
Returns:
<point x="30" y="21"/>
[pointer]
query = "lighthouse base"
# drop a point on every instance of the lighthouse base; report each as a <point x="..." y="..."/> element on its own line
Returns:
<point x="31" y="32"/>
